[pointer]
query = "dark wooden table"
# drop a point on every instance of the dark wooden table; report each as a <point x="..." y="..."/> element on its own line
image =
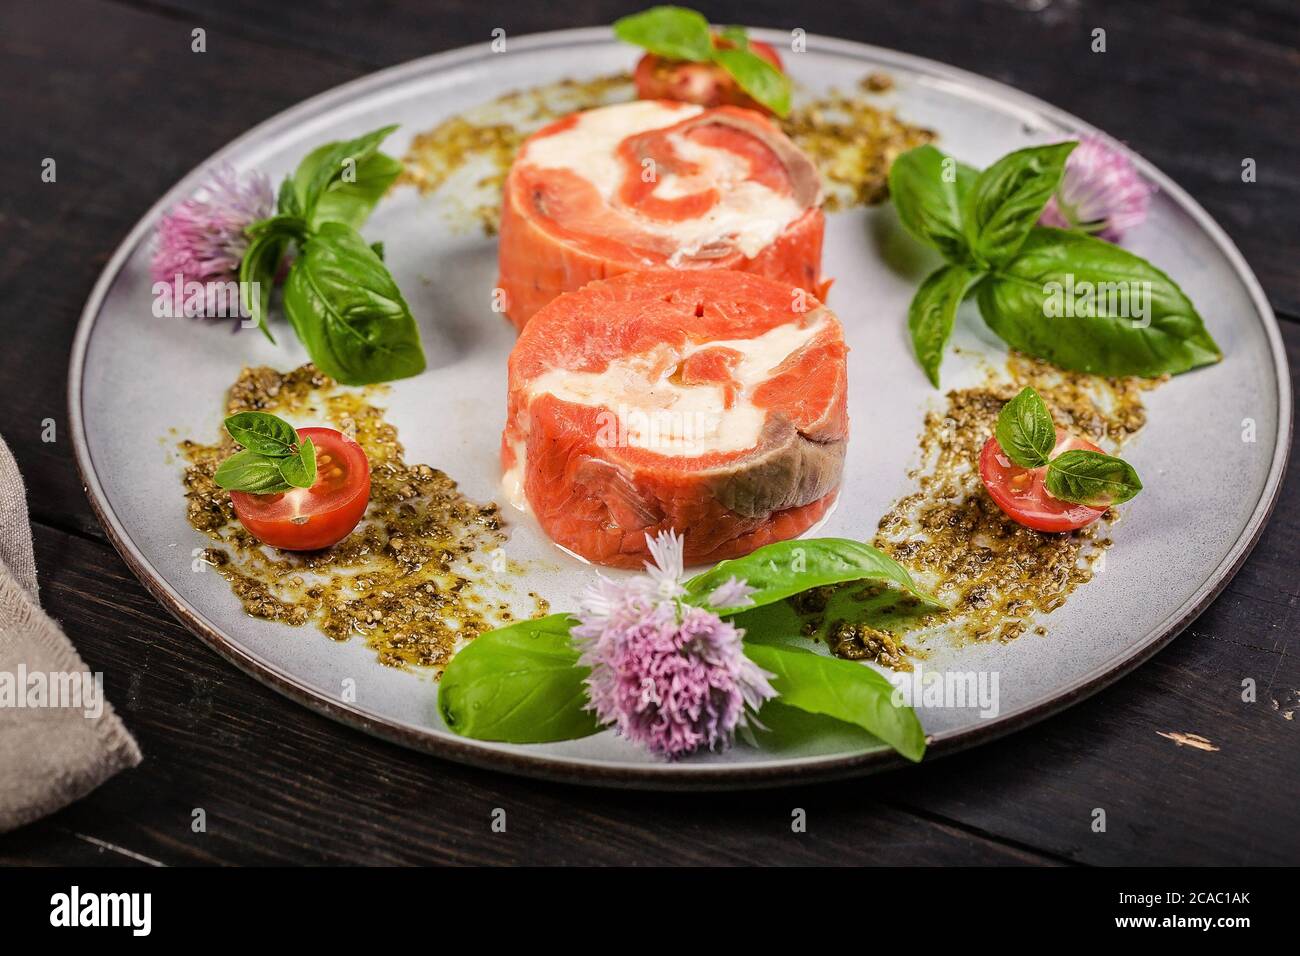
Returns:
<point x="111" y="90"/>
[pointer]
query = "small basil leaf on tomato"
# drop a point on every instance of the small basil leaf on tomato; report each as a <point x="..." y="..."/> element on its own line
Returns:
<point x="927" y="188"/>
<point x="672" y="32"/>
<point x="1025" y="430"/>
<point x="757" y="77"/>
<point x="299" y="470"/>
<point x="1008" y="197"/>
<point x="265" y="434"/>
<point x="250" y="472"/>
<point x="735" y="35"/>
<point x="1091" y="478"/>
<point x="932" y="313"/>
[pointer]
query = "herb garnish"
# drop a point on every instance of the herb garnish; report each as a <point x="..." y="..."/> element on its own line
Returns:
<point x="339" y="296"/>
<point x="1027" y="436"/>
<point x="274" y="459"/>
<point x="681" y="34"/>
<point x="1131" y="319"/>
<point x="530" y="682"/>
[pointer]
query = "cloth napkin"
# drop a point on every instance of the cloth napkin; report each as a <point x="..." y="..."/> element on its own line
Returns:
<point x="50" y="755"/>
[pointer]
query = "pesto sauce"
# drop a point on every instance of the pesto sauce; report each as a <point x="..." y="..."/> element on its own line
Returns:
<point x="416" y="579"/>
<point x="996" y="575"/>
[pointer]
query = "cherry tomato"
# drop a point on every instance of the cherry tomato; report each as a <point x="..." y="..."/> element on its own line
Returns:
<point x="308" y="519"/>
<point x="707" y="84"/>
<point x="1021" y="494"/>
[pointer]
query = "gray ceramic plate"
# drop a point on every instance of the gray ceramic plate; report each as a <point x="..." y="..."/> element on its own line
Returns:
<point x="134" y="378"/>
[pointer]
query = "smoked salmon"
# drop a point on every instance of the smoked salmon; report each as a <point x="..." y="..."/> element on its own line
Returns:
<point x="652" y="185"/>
<point x="712" y="403"/>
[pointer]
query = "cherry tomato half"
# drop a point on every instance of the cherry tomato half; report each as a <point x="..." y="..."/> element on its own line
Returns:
<point x="308" y="519"/>
<point x="659" y="78"/>
<point x="1021" y="494"/>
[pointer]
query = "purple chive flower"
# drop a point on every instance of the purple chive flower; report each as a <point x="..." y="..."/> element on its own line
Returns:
<point x="202" y="238"/>
<point x="1101" y="193"/>
<point x="668" y="675"/>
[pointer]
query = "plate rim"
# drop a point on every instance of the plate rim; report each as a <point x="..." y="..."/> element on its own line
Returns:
<point x="671" y="776"/>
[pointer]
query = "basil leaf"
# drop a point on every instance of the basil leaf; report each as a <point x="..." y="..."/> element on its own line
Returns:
<point x="1089" y="306"/>
<point x="1091" y="478"/>
<point x="846" y="690"/>
<point x="299" y="470"/>
<point x="286" y="200"/>
<point x="879" y="606"/>
<point x="927" y="188"/>
<point x="1025" y="430"/>
<point x="257" y="271"/>
<point x="265" y="434"/>
<point x="348" y="312"/>
<point x="738" y="36"/>
<point x="781" y="570"/>
<point x="248" y="471"/>
<point x="1008" y="198"/>
<point x="757" y="77"/>
<point x="352" y="202"/>
<point x="788" y="731"/>
<point x="673" y="32"/>
<point x="932" y="313"/>
<point x="520" y="684"/>
<point x="322" y="169"/>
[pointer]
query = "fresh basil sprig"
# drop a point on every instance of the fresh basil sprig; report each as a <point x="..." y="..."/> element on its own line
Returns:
<point x="1170" y="338"/>
<point x="342" y="181"/>
<point x="348" y="312"/>
<point x="520" y="683"/>
<point x="274" y="459"/>
<point x="681" y="34"/>
<point x="1027" y="436"/>
<point x="786" y="568"/>
<point x="523" y="683"/>
<point x="845" y="690"/>
<point x="985" y="225"/>
<point x="339" y="296"/>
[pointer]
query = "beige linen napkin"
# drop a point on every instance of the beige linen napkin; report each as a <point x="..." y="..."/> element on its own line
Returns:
<point x="59" y="737"/>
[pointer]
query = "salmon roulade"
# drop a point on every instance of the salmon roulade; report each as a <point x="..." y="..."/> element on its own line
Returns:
<point x="712" y="403"/>
<point x="655" y="184"/>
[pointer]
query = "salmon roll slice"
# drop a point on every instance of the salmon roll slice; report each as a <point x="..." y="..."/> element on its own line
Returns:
<point x="655" y="184"/>
<point x="712" y="403"/>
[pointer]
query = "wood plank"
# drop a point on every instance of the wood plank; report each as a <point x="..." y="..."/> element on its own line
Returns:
<point x="125" y="109"/>
<point x="280" y="784"/>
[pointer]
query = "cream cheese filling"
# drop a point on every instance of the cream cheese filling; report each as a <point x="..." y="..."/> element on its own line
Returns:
<point x="749" y="216"/>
